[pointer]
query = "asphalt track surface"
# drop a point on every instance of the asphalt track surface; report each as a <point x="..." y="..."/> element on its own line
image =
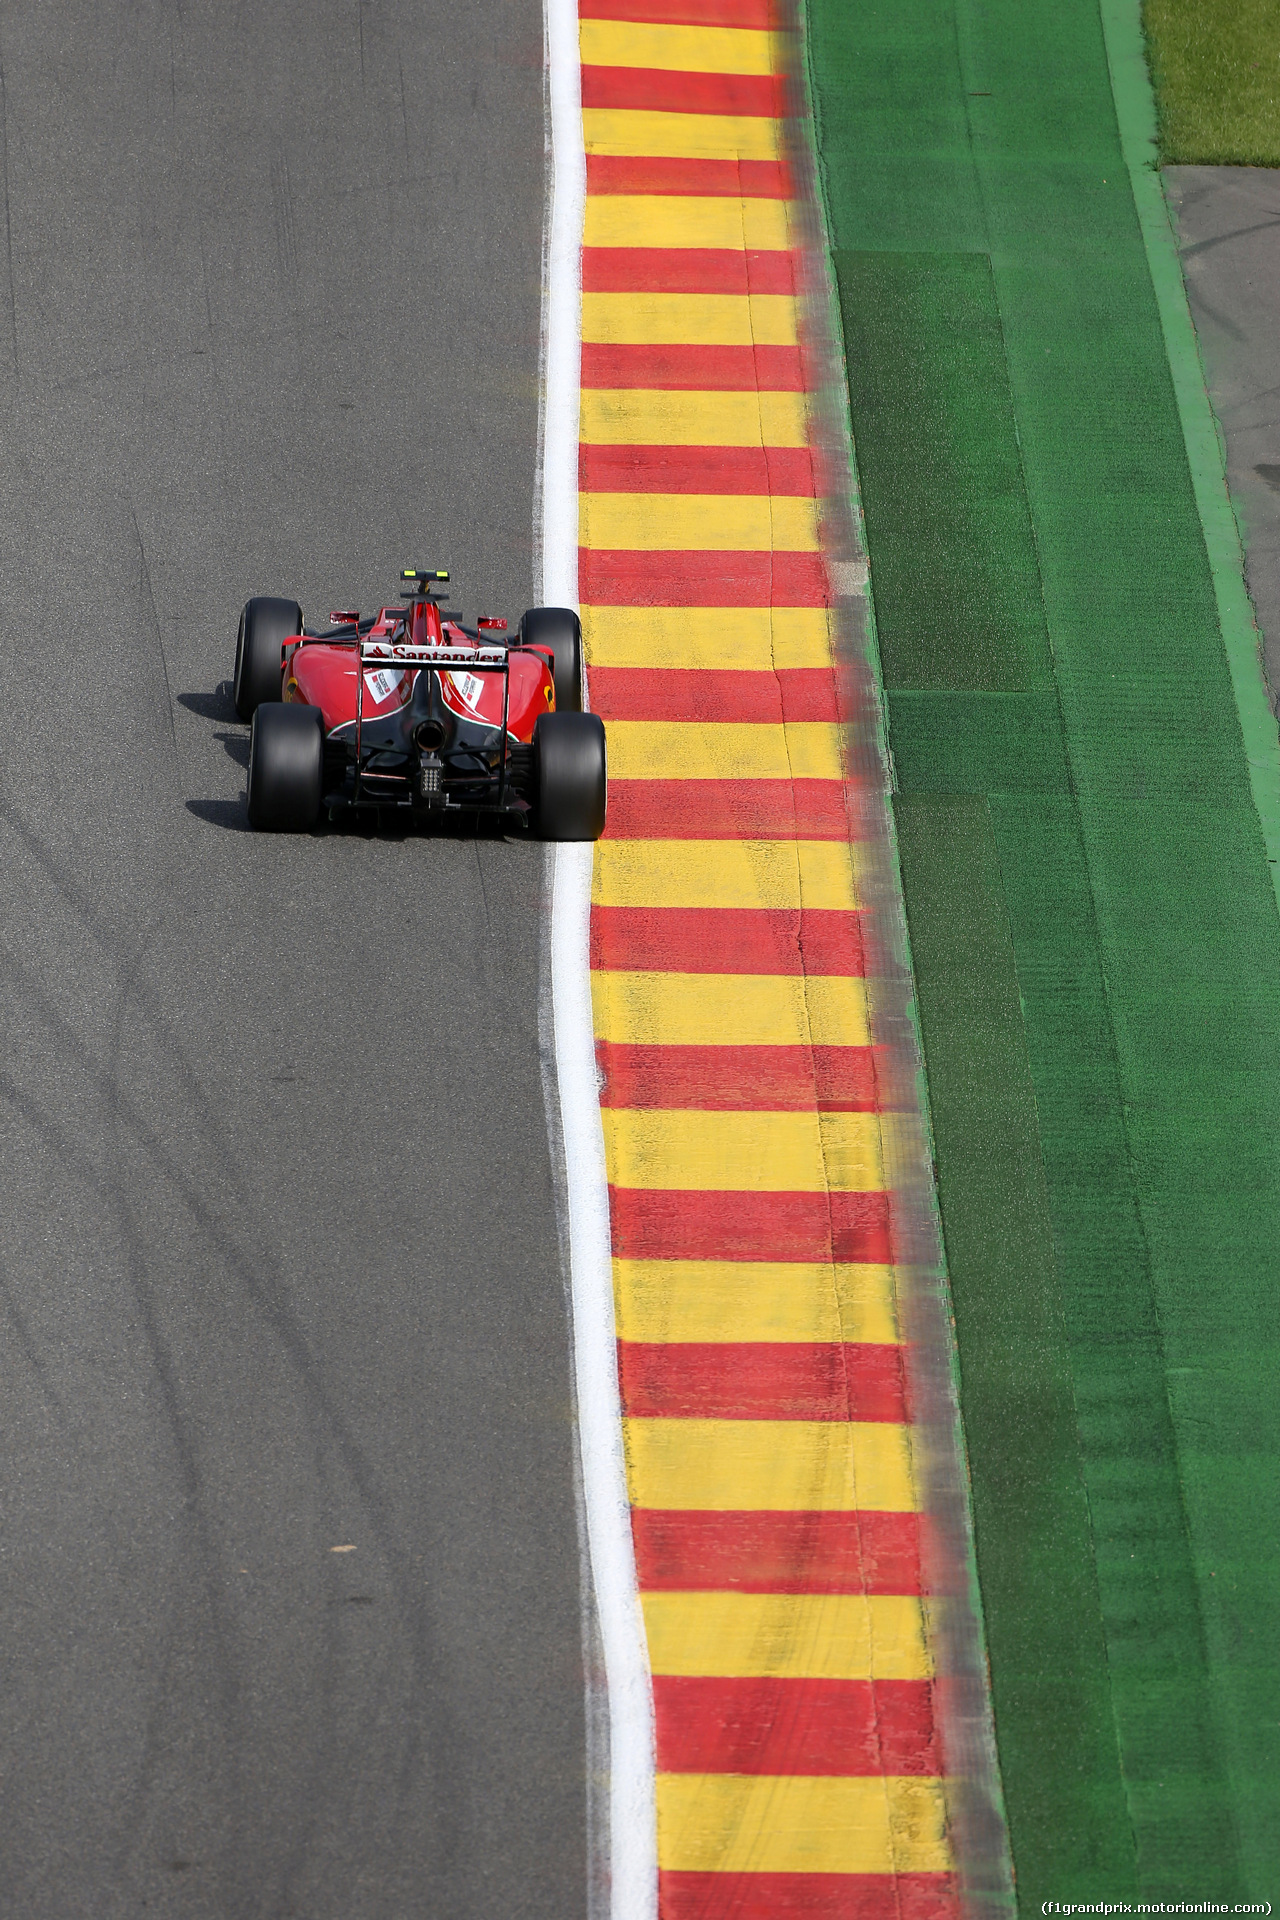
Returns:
<point x="279" y="1257"/>
<point x="1228" y="222"/>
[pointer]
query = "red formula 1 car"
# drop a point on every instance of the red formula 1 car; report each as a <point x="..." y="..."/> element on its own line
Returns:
<point x="416" y="713"/>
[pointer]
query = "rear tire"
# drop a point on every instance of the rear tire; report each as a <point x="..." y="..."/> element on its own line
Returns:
<point x="286" y="767"/>
<point x="266" y="627"/>
<point x="559" y="629"/>
<point x="570" y="776"/>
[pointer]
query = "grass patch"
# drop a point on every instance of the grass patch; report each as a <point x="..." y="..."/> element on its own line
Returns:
<point x="1216" y="69"/>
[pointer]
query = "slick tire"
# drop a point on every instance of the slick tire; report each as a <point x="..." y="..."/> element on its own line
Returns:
<point x="570" y="776"/>
<point x="559" y="629"/>
<point x="266" y="625"/>
<point x="286" y="768"/>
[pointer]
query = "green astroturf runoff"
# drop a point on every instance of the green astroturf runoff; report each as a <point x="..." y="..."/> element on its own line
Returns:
<point x="1094" y="930"/>
<point x="1216" y="67"/>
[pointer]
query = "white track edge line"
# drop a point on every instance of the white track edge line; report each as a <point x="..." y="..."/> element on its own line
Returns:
<point x="632" y="1839"/>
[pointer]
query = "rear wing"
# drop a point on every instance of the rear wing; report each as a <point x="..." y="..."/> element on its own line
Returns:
<point x="401" y="653"/>
<point x="398" y="653"/>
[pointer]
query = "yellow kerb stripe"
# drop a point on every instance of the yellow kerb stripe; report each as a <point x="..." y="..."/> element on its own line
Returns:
<point x="725" y="873"/>
<point x="639" y="417"/>
<point x="743" y="1823"/>
<point x="723" y="750"/>
<point x="630" y="43"/>
<point x="787" y="1636"/>
<point x="756" y="639"/>
<point x="690" y="319"/>
<point x="684" y="522"/>
<point x="806" y="1466"/>
<point x="678" y="136"/>
<point x="729" y="1009"/>
<point x="685" y="220"/>
<point x="713" y="1151"/>
<point x="729" y="1300"/>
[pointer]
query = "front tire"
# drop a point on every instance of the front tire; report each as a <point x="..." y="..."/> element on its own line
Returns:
<point x="286" y="767"/>
<point x="560" y="630"/>
<point x="571" y="777"/>
<point x="266" y="627"/>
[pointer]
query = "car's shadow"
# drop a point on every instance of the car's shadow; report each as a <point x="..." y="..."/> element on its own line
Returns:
<point x="221" y="813"/>
<point x="370" y="825"/>
<point x="230" y="815"/>
<point x="217" y="705"/>
<point x="236" y="746"/>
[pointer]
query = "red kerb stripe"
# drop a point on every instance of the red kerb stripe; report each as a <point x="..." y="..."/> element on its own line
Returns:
<point x="661" y="90"/>
<point x="731" y="179"/>
<point x="714" y="693"/>
<point x="655" y="1223"/>
<point x="808" y="1896"/>
<point x="727" y="940"/>
<point x="758" y="14"/>
<point x="752" y="1552"/>
<point x="680" y="369"/>
<point x="727" y="810"/>
<point x="627" y="578"/>
<point x="761" y="1380"/>
<point x="740" y="1079"/>
<point x="686" y="270"/>
<point x="795" y="1726"/>
<point x="755" y="470"/>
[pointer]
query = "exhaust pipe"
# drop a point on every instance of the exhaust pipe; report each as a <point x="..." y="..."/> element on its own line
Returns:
<point x="428" y="735"/>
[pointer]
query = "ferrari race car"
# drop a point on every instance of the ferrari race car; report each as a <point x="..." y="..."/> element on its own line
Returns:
<point x="413" y="712"/>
